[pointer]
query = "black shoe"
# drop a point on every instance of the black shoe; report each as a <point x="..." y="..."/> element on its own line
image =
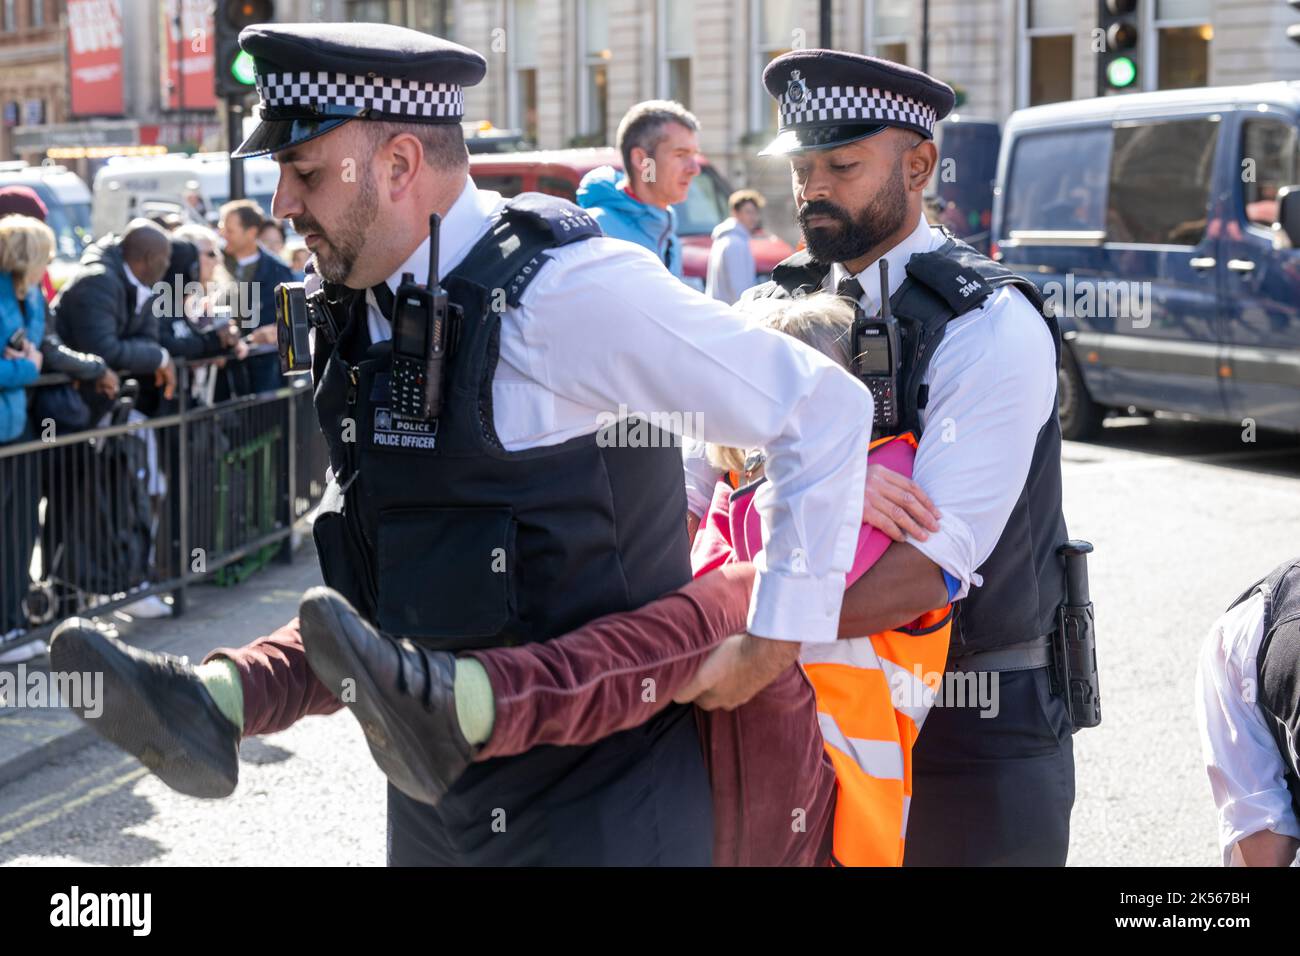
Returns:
<point x="402" y="694"/>
<point x="154" y="708"/>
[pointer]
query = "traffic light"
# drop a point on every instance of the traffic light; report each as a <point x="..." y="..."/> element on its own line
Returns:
<point x="234" y="67"/>
<point x="1293" y="31"/>
<point x="1118" y="67"/>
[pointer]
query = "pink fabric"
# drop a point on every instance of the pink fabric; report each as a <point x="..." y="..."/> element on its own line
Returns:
<point x="732" y="524"/>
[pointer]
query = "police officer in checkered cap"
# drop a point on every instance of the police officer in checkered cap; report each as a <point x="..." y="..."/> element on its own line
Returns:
<point x="525" y="509"/>
<point x="976" y="377"/>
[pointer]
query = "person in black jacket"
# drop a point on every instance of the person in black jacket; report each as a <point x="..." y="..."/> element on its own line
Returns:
<point x="102" y="309"/>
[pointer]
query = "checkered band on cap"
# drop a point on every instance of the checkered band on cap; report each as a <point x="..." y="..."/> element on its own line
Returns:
<point x="854" y="103"/>
<point x="319" y="90"/>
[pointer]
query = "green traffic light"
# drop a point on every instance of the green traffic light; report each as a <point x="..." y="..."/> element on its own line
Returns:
<point x="242" y="68"/>
<point x="1121" y="72"/>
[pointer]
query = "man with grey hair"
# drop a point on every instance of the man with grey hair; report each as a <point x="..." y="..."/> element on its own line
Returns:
<point x="659" y="143"/>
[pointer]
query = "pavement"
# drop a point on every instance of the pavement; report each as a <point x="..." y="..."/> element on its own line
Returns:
<point x="215" y="617"/>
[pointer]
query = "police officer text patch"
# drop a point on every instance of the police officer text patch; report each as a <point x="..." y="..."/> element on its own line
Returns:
<point x="408" y="434"/>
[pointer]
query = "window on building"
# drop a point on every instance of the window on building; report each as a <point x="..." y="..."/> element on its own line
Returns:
<point x="676" y="46"/>
<point x="431" y="16"/>
<point x="1160" y="182"/>
<point x="374" y="11"/>
<point x="10" y="16"/>
<point x="522" y="45"/>
<point x="1057" y="181"/>
<point x="889" y="22"/>
<point x="593" y="30"/>
<point x="774" y="32"/>
<point x="1268" y="161"/>
<point x="37" y="18"/>
<point x="1183" y="33"/>
<point x="1047" y="51"/>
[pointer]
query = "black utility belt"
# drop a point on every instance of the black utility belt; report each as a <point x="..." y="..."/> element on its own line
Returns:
<point x="1025" y="656"/>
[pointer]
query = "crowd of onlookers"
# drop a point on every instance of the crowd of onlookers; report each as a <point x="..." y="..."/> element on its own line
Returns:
<point x="162" y="291"/>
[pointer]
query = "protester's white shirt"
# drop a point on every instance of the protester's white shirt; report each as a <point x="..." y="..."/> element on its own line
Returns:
<point x="992" y="385"/>
<point x="605" y="326"/>
<point x="1247" y="775"/>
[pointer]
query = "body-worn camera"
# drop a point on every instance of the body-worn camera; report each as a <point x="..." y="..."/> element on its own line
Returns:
<point x="876" y="356"/>
<point x="296" y="313"/>
<point x="420" y="327"/>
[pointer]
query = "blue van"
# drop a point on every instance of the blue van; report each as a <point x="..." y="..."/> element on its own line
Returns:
<point x="1165" y="230"/>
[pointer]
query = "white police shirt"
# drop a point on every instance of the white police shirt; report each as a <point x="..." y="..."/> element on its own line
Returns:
<point x="606" y="330"/>
<point x="992" y="384"/>
<point x="1247" y="775"/>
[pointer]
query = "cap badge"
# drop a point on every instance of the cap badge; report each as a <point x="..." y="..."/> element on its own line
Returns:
<point x="796" y="90"/>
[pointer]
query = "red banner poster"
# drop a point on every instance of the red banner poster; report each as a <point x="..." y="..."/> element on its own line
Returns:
<point x="95" y="56"/>
<point x="189" y="43"/>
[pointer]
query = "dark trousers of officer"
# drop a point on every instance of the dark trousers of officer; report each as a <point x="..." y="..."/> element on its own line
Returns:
<point x="994" y="791"/>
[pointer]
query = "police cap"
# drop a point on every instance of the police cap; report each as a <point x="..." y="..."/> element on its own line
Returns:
<point x="828" y="98"/>
<point x="313" y="77"/>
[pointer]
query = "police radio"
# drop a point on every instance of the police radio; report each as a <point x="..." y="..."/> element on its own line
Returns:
<point x="876" y="356"/>
<point x="420" y="320"/>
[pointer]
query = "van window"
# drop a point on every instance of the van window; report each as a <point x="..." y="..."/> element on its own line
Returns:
<point x="704" y="207"/>
<point x="1057" y="181"/>
<point x="1160" y="182"/>
<point x="1268" y="162"/>
<point x="556" y="186"/>
<point x="507" y="186"/>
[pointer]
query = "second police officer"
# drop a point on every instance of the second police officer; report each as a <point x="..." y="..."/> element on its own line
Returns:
<point x="995" y="784"/>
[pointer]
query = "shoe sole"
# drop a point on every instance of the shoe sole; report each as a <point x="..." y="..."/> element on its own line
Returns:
<point x="131" y="721"/>
<point x="332" y="657"/>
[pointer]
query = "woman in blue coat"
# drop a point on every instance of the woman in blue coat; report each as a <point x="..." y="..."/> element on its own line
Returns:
<point x="26" y="248"/>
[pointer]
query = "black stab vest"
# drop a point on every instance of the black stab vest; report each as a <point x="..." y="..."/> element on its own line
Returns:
<point x="1278" y="666"/>
<point x="436" y="533"/>
<point x="1024" y="579"/>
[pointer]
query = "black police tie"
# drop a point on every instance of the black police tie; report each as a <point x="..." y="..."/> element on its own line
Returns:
<point x="384" y="298"/>
<point x="850" y="288"/>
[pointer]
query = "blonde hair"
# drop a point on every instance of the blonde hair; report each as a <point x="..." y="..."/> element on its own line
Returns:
<point x="822" y="321"/>
<point x="26" y="248"/>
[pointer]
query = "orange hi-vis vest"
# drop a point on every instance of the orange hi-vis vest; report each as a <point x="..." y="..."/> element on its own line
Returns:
<point x="873" y="694"/>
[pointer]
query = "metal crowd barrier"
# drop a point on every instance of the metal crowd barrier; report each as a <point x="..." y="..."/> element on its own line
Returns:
<point x="121" y="512"/>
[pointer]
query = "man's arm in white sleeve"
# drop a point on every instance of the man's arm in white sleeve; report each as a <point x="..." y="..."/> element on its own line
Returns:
<point x="993" y="387"/>
<point x="1247" y="776"/>
<point x="652" y="345"/>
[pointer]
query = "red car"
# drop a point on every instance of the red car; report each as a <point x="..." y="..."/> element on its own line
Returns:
<point x="558" y="172"/>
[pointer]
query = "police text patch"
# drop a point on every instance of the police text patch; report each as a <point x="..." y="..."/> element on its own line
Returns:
<point x="390" y="431"/>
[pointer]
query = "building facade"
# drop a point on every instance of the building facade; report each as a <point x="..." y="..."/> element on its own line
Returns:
<point x="33" y="78"/>
<point x="564" y="71"/>
<point x="80" y="76"/>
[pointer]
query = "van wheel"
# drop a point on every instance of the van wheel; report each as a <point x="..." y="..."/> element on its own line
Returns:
<point x="1080" y="416"/>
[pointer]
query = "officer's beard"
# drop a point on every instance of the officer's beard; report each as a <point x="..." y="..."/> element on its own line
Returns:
<point x="337" y="254"/>
<point x="853" y="238"/>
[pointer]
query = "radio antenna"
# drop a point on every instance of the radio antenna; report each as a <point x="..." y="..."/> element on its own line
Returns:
<point x="884" y="288"/>
<point x="435" y="224"/>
